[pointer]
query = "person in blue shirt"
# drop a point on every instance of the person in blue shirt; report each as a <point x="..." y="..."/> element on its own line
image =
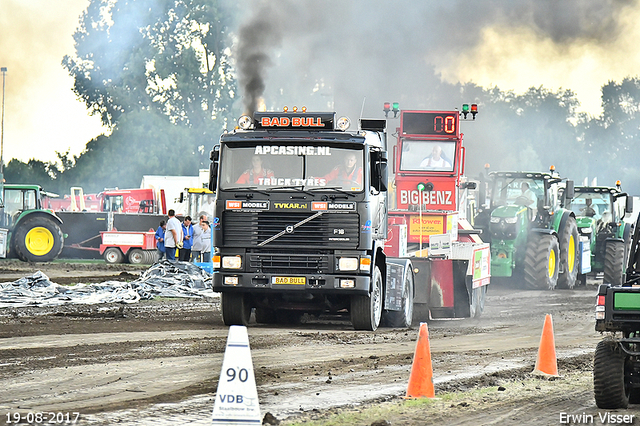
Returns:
<point x="187" y="242"/>
<point x="160" y="239"/>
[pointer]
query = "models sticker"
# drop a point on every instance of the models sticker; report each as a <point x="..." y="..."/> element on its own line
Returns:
<point x="247" y="205"/>
<point x="326" y="206"/>
<point x="292" y="150"/>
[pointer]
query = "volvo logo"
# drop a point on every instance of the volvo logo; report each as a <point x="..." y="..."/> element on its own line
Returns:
<point x="289" y="229"/>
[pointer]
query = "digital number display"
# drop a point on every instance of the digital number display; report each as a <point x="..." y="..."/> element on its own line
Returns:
<point x="429" y="123"/>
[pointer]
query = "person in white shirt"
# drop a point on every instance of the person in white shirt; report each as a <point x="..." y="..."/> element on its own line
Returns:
<point x="172" y="236"/>
<point x="435" y="160"/>
<point x="528" y="197"/>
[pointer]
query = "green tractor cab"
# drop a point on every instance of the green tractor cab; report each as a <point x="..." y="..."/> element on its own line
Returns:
<point x="533" y="237"/>
<point x="600" y="213"/>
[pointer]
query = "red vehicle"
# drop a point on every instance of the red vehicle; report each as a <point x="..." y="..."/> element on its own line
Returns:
<point x="428" y="215"/>
<point x="138" y="200"/>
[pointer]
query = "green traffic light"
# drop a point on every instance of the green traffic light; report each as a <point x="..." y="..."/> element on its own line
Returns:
<point x="465" y="107"/>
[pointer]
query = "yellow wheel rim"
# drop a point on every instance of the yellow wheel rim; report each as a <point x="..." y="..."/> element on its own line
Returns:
<point x="39" y="241"/>
<point x="552" y="263"/>
<point x="571" y="259"/>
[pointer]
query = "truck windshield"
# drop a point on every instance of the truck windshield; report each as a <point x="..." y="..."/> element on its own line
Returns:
<point x="591" y="204"/>
<point x="282" y="167"/>
<point x="427" y="155"/>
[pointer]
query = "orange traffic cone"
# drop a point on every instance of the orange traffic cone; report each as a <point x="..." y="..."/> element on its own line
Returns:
<point x="547" y="363"/>
<point x="421" y="378"/>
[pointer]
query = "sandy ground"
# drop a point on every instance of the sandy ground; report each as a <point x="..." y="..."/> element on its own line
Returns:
<point x="158" y="362"/>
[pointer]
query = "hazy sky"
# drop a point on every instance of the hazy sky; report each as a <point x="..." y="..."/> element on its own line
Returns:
<point x="524" y="46"/>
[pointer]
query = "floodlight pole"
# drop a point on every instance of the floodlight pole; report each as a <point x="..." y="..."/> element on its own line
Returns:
<point x="4" y="74"/>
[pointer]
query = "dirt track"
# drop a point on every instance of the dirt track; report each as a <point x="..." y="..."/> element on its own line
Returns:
<point x="123" y="364"/>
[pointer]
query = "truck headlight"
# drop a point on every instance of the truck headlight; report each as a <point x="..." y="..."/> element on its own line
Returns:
<point x="495" y="220"/>
<point x="231" y="262"/>
<point x="511" y="219"/>
<point x="585" y="230"/>
<point x="348" y="263"/>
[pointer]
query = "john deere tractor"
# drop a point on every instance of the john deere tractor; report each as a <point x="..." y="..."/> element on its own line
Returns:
<point x="534" y="239"/>
<point x="28" y="230"/>
<point x="599" y="213"/>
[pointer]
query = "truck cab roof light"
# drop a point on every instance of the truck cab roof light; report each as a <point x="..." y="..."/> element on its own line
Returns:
<point x="244" y="122"/>
<point x="343" y="123"/>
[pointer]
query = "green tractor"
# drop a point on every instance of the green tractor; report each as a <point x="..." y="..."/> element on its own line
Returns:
<point x="28" y="231"/>
<point x="533" y="238"/>
<point x="600" y="213"/>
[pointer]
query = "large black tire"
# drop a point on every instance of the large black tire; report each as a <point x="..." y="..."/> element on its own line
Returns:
<point x="614" y="262"/>
<point x="366" y="311"/>
<point x="404" y="317"/>
<point x="569" y="254"/>
<point x="478" y="297"/>
<point x="38" y="239"/>
<point x="541" y="262"/>
<point x="236" y="309"/>
<point x="609" y="387"/>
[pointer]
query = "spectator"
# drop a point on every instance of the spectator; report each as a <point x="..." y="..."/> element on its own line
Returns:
<point x="256" y="174"/>
<point x="197" y="240"/>
<point x="172" y="236"/>
<point x="187" y="231"/>
<point x="160" y="239"/>
<point x="206" y="242"/>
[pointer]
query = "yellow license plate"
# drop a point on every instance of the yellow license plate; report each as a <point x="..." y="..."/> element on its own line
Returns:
<point x="289" y="280"/>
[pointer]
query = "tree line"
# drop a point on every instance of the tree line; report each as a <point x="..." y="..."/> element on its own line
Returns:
<point x="160" y="75"/>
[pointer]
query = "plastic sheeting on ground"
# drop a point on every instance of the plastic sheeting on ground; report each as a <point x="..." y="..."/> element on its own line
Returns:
<point x="164" y="279"/>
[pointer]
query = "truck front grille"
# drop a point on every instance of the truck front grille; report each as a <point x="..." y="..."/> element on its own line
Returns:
<point x="275" y="263"/>
<point x="327" y="231"/>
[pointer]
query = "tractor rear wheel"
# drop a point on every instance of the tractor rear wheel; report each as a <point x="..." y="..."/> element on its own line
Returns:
<point x="569" y="254"/>
<point x="366" y="311"/>
<point x="236" y="309"/>
<point x="38" y="239"/>
<point x="610" y="386"/>
<point x="614" y="262"/>
<point x="541" y="262"/>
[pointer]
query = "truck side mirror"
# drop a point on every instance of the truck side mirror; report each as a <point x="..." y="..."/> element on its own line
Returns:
<point x="569" y="191"/>
<point x="213" y="168"/>
<point x="628" y="207"/>
<point x="379" y="171"/>
<point x="383" y="177"/>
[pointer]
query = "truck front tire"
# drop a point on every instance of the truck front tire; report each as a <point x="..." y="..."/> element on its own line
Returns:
<point x="38" y="239"/>
<point x="609" y="387"/>
<point x="366" y="311"/>
<point x="236" y="308"/>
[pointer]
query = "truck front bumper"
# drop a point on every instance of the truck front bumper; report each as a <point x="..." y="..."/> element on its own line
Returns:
<point x="324" y="283"/>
